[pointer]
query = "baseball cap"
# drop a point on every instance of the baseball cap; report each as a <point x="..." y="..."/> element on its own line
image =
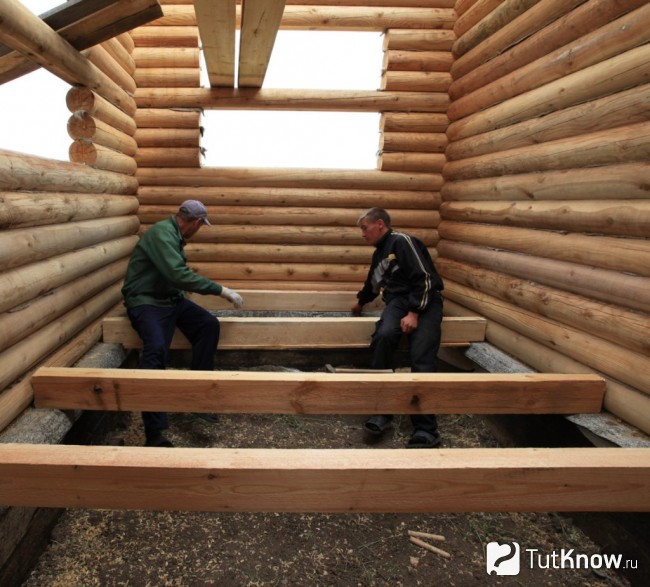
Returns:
<point x="195" y="209"/>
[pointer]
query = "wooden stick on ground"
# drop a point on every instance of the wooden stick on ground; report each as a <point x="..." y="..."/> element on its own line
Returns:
<point x="430" y="547"/>
<point x="416" y="534"/>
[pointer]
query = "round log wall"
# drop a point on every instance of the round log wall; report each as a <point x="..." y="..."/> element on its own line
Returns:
<point x="545" y="208"/>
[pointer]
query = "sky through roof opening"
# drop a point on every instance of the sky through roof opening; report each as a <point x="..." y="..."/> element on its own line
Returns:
<point x="304" y="60"/>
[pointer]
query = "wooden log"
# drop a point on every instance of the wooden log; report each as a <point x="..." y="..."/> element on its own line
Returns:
<point x="278" y="99"/>
<point x="419" y="40"/>
<point x="85" y="151"/>
<point x="415" y="81"/>
<point x="239" y="392"/>
<point x="622" y="289"/>
<point x="290" y="178"/>
<point x="422" y="162"/>
<point x="628" y="329"/>
<point x="168" y="77"/>
<point x="167" y="57"/>
<point x="473" y="14"/>
<point x="608" y="41"/>
<point x="25" y="32"/>
<point x="628" y="218"/>
<point x="470" y="75"/>
<point x="299" y="234"/>
<point x="413" y="141"/>
<point x="166" y="36"/>
<point x="23" y="209"/>
<point x="413" y="122"/>
<point x="262" y="196"/>
<point x="627" y="255"/>
<point x="622" y="108"/>
<point x="506" y="12"/>
<point x="23" y="355"/>
<point x="291" y="216"/>
<point x="82" y="125"/>
<point x="36" y="314"/>
<point x="28" y="173"/>
<point x="624" y="365"/>
<point x="260" y="21"/>
<point x="322" y="480"/>
<point x="120" y="54"/>
<point x="126" y="41"/>
<point x="290" y="301"/>
<point x="618" y="145"/>
<point x="217" y="24"/>
<point x="295" y="333"/>
<point x="591" y="83"/>
<point x="25" y="283"/>
<point x="395" y="60"/>
<point x="628" y="404"/>
<point x="352" y="18"/>
<point x="168" y="137"/>
<point x="168" y="157"/>
<point x="28" y="245"/>
<point x="105" y="62"/>
<point x="87" y="100"/>
<point x="264" y="253"/>
<point x="390" y="3"/>
<point x="15" y="399"/>
<point x="627" y="181"/>
<point x="166" y="118"/>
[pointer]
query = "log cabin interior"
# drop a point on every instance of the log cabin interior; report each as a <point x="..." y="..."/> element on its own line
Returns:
<point x="514" y="139"/>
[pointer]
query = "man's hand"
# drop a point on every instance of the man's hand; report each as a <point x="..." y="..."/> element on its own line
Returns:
<point x="357" y="308"/>
<point x="233" y="297"/>
<point x="409" y="323"/>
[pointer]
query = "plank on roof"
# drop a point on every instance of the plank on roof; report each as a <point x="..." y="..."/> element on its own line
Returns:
<point x="83" y="23"/>
<point x="238" y="392"/>
<point x="260" y="22"/>
<point x="326" y="480"/>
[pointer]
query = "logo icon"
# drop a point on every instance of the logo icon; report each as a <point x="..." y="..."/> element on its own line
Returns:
<point x="502" y="559"/>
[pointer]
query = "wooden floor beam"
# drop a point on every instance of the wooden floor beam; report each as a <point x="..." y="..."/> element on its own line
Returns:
<point x="326" y="480"/>
<point x="279" y="333"/>
<point x="316" y="393"/>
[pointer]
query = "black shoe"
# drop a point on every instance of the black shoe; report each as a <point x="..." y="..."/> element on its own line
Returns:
<point x="210" y="418"/>
<point x="423" y="439"/>
<point x="158" y="440"/>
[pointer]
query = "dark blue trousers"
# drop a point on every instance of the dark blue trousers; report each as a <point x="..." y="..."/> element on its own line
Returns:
<point x="156" y="325"/>
<point x="424" y="343"/>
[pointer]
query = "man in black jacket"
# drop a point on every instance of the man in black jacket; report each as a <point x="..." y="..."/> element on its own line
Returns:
<point x="402" y="271"/>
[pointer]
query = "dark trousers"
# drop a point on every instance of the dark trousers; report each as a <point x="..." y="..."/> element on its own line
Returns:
<point x="156" y="325"/>
<point x="424" y="343"/>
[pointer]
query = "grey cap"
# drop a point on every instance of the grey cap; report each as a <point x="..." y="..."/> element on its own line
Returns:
<point x="195" y="209"/>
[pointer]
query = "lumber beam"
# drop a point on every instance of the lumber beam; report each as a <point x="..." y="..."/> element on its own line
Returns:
<point x="322" y="480"/>
<point x="275" y="333"/>
<point x="83" y="23"/>
<point x="260" y="21"/>
<point x="236" y="392"/>
<point x="217" y="23"/>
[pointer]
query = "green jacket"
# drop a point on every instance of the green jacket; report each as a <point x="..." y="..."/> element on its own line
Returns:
<point x="158" y="273"/>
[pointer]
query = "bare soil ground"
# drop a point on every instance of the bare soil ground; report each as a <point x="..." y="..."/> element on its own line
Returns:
<point x="142" y="549"/>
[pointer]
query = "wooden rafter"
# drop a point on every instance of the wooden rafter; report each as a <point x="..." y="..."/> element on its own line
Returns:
<point x="260" y="22"/>
<point x="326" y="480"/>
<point x="217" y="22"/>
<point x="83" y="23"/>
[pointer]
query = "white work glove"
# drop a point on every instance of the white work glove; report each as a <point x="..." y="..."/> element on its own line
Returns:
<point x="233" y="297"/>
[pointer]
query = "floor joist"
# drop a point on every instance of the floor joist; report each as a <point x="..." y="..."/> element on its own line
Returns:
<point x="326" y="480"/>
<point x="274" y="333"/>
<point x="316" y="393"/>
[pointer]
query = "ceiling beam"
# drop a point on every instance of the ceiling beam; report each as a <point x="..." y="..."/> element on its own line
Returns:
<point x="260" y="22"/>
<point x="217" y="22"/>
<point x="83" y="23"/>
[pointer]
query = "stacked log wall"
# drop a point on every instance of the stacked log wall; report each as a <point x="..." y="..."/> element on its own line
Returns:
<point x="295" y="228"/>
<point x="67" y="232"/>
<point x="545" y="206"/>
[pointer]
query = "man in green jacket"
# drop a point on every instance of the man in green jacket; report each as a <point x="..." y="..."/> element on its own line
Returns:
<point x="156" y="278"/>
